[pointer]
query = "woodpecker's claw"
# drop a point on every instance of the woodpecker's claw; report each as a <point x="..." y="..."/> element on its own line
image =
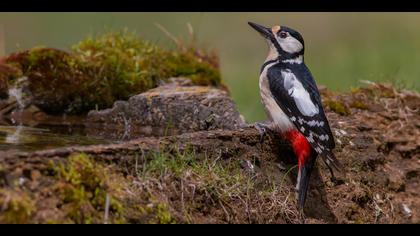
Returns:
<point x="332" y="178"/>
<point x="262" y="129"/>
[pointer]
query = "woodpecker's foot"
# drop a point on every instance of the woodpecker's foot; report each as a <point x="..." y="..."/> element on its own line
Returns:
<point x="332" y="178"/>
<point x="332" y="174"/>
<point x="262" y="128"/>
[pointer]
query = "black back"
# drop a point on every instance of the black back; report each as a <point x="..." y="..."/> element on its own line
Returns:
<point x="320" y="125"/>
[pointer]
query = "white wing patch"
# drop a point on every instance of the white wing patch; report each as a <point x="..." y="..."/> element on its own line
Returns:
<point x="300" y="95"/>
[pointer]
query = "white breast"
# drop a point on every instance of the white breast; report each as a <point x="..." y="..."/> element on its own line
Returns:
<point x="280" y="120"/>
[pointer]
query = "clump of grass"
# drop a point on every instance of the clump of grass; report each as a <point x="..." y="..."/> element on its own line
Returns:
<point x="162" y="163"/>
<point x="214" y="177"/>
<point x="192" y="186"/>
<point x="16" y="207"/>
<point x="83" y="186"/>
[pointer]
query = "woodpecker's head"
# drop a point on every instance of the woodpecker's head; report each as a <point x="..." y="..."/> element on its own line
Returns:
<point x="283" y="41"/>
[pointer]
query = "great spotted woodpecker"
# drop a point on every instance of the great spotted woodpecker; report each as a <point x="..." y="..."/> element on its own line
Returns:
<point x="293" y="104"/>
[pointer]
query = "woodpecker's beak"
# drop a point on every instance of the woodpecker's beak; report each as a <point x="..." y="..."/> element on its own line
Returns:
<point x="264" y="31"/>
<point x="303" y="181"/>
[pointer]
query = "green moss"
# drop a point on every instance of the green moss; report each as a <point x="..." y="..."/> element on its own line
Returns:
<point x="359" y="105"/>
<point x="133" y="65"/>
<point x="55" y="80"/>
<point x="338" y="107"/>
<point x="7" y="73"/>
<point x="355" y="90"/>
<point x="163" y="215"/>
<point x="130" y="65"/>
<point x="16" y="207"/>
<point x="83" y="186"/>
<point x="103" y="69"/>
<point x="187" y="64"/>
<point x="121" y="61"/>
<point x="156" y="213"/>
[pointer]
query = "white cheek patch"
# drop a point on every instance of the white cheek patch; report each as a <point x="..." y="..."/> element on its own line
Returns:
<point x="289" y="44"/>
<point x="300" y="95"/>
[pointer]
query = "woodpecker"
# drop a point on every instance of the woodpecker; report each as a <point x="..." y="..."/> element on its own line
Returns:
<point x="293" y="103"/>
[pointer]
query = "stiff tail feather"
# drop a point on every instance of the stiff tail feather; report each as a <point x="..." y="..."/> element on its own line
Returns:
<point x="304" y="176"/>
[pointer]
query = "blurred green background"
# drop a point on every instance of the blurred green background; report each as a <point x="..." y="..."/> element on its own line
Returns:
<point x="341" y="48"/>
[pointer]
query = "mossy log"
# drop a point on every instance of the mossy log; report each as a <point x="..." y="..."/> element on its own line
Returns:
<point x="224" y="143"/>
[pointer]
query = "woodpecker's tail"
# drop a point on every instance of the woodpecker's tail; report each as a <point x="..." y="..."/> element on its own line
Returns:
<point x="304" y="176"/>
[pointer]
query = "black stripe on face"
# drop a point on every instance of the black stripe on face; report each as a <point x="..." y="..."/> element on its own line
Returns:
<point x="267" y="63"/>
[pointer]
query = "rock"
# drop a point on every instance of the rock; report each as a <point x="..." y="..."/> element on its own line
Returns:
<point x="171" y="106"/>
<point x="406" y="210"/>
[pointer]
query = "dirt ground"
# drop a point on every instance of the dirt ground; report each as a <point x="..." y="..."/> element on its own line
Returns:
<point x="228" y="176"/>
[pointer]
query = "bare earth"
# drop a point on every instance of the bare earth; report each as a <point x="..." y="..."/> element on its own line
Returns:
<point x="377" y="134"/>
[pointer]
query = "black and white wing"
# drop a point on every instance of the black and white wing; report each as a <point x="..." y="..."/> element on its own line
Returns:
<point x="297" y="95"/>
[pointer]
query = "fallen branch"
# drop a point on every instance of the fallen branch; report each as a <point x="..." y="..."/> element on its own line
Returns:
<point x="238" y="143"/>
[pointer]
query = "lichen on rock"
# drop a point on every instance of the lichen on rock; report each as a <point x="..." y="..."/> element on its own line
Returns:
<point x="177" y="105"/>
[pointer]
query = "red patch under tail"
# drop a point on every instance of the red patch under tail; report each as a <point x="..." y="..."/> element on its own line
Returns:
<point x="300" y="145"/>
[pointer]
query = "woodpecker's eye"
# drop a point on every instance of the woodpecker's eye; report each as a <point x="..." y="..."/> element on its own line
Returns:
<point x="283" y="35"/>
